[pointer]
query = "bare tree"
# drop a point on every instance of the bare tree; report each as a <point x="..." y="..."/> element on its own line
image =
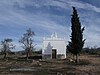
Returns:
<point x="6" y="46"/>
<point x="27" y="41"/>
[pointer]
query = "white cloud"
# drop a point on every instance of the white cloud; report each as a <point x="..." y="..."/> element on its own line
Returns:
<point x="86" y="6"/>
<point x="43" y="23"/>
<point x="91" y="34"/>
<point x="58" y="3"/>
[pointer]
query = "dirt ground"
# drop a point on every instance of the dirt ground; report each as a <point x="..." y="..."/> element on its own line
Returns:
<point x="89" y="65"/>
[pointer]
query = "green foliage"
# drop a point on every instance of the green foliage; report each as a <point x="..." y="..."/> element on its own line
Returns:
<point x="77" y="42"/>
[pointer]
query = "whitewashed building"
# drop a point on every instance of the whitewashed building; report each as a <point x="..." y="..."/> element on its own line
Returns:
<point x="54" y="47"/>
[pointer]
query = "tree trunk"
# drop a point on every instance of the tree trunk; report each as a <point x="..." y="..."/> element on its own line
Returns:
<point x="77" y="60"/>
<point x="5" y="54"/>
<point x="73" y="57"/>
<point x="30" y="52"/>
<point x="27" y="54"/>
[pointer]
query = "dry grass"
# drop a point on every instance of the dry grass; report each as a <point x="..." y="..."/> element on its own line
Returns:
<point x="52" y="67"/>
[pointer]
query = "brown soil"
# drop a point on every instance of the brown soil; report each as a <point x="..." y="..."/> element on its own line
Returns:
<point x="89" y="65"/>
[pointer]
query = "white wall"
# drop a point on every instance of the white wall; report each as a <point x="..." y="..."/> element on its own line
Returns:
<point x="60" y="45"/>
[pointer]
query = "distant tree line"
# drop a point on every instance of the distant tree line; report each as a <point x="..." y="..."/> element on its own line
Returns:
<point x="92" y="51"/>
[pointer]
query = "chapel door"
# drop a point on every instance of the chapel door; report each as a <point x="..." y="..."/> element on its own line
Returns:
<point x="54" y="53"/>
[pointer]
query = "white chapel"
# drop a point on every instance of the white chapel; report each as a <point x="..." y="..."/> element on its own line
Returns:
<point x="54" y="47"/>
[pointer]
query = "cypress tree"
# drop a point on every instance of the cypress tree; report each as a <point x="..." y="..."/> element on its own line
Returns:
<point x="76" y="44"/>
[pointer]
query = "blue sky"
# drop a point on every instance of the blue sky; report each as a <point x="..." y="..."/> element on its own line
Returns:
<point x="47" y="16"/>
